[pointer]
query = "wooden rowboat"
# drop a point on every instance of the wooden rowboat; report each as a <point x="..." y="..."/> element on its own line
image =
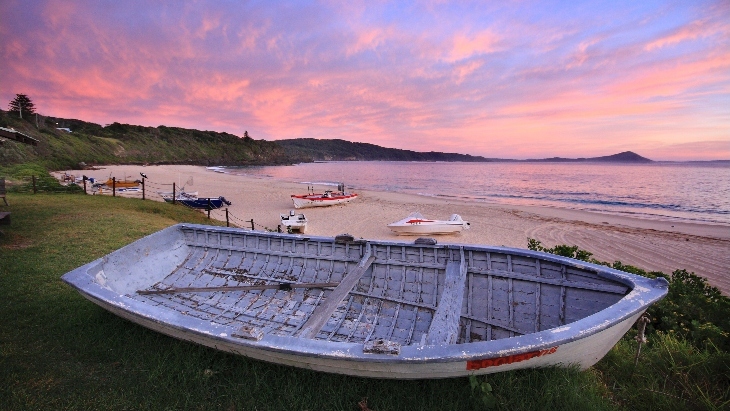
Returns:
<point x="122" y="183"/>
<point x="368" y="308"/>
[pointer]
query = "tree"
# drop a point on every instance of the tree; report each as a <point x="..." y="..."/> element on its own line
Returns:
<point x="21" y="104"/>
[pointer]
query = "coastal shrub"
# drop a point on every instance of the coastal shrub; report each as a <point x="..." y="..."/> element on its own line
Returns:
<point x="692" y="311"/>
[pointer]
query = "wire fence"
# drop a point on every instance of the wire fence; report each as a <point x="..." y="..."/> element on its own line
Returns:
<point x="143" y="190"/>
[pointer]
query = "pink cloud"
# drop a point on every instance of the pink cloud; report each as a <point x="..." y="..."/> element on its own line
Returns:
<point x="465" y="46"/>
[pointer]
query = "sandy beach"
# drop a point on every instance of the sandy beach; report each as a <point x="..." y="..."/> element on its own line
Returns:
<point x="649" y="244"/>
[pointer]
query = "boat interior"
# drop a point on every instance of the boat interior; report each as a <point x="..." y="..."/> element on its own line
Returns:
<point x="359" y="291"/>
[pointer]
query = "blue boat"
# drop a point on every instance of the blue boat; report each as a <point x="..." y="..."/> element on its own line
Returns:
<point x="201" y="203"/>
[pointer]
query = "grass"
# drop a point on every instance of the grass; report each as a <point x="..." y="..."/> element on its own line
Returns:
<point x="59" y="351"/>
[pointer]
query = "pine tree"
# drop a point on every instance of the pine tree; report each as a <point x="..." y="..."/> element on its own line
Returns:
<point x="22" y="104"/>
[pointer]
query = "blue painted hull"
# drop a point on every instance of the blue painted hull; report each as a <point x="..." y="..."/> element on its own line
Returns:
<point x="203" y="203"/>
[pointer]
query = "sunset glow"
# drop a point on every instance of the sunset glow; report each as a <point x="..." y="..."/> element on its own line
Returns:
<point x="505" y="79"/>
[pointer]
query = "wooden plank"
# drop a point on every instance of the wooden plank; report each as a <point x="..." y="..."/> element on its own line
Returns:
<point x="444" y="328"/>
<point x="493" y="324"/>
<point x="275" y="253"/>
<point x="563" y="282"/>
<point x="282" y="286"/>
<point x="324" y="311"/>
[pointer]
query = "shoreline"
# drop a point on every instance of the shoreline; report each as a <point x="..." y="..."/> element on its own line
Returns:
<point x="653" y="245"/>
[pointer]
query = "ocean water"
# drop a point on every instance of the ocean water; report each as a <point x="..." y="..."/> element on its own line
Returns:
<point x="691" y="192"/>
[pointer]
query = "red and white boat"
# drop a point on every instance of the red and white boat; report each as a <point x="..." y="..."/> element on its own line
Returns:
<point x="325" y="199"/>
<point x="416" y="224"/>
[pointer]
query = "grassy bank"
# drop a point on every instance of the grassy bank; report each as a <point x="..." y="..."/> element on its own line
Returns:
<point x="59" y="351"/>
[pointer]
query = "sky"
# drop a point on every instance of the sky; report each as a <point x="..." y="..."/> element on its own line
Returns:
<point x="502" y="79"/>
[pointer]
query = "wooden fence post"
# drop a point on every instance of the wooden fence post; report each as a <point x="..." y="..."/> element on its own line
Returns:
<point x="227" y="223"/>
<point x="114" y="186"/>
<point x="143" y="188"/>
<point x="252" y="224"/>
<point x="173" y="193"/>
<point x="209" y="207"/>
<point x="35" y="189"/>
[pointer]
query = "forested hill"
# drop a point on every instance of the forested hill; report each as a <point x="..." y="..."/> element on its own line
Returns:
<point x="328" y="150"/>
<point x="116" y="143"/>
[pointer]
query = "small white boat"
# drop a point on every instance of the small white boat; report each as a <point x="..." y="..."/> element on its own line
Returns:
<point x="416" y="224"/>
<point x="328" y="198"/>
<point x="294" y="223"/>
<point x="379" y="309"/>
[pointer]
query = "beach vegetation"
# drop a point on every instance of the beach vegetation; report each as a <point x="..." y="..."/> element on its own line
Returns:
<point x="116" y="143"/>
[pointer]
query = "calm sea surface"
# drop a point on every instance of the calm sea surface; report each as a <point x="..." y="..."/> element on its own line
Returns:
<point x="670" y="191"/>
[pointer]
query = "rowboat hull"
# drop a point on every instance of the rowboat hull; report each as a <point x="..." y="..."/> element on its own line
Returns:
<point x="416" y="224"/>
<point x="514" y="308"/>
<point x="319" y="200"/>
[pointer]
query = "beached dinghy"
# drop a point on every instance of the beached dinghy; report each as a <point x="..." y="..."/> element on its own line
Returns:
<point x="121" y="183"/>
<point x="294" y="223"/>
<point x="200" y="203"/>
<point x="368" y="308"/>
<point x="328" y="198"/>
<point x="416" y="224"/>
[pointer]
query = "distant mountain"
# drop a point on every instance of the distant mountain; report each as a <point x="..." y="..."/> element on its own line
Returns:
<point x="341" y="150"/>
<point x="624" y="157"/>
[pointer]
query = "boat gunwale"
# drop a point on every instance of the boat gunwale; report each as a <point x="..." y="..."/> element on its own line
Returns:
<point x="644" y="292"/>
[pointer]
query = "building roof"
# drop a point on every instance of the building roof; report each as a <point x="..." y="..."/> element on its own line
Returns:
<point x="17" y="136"/>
